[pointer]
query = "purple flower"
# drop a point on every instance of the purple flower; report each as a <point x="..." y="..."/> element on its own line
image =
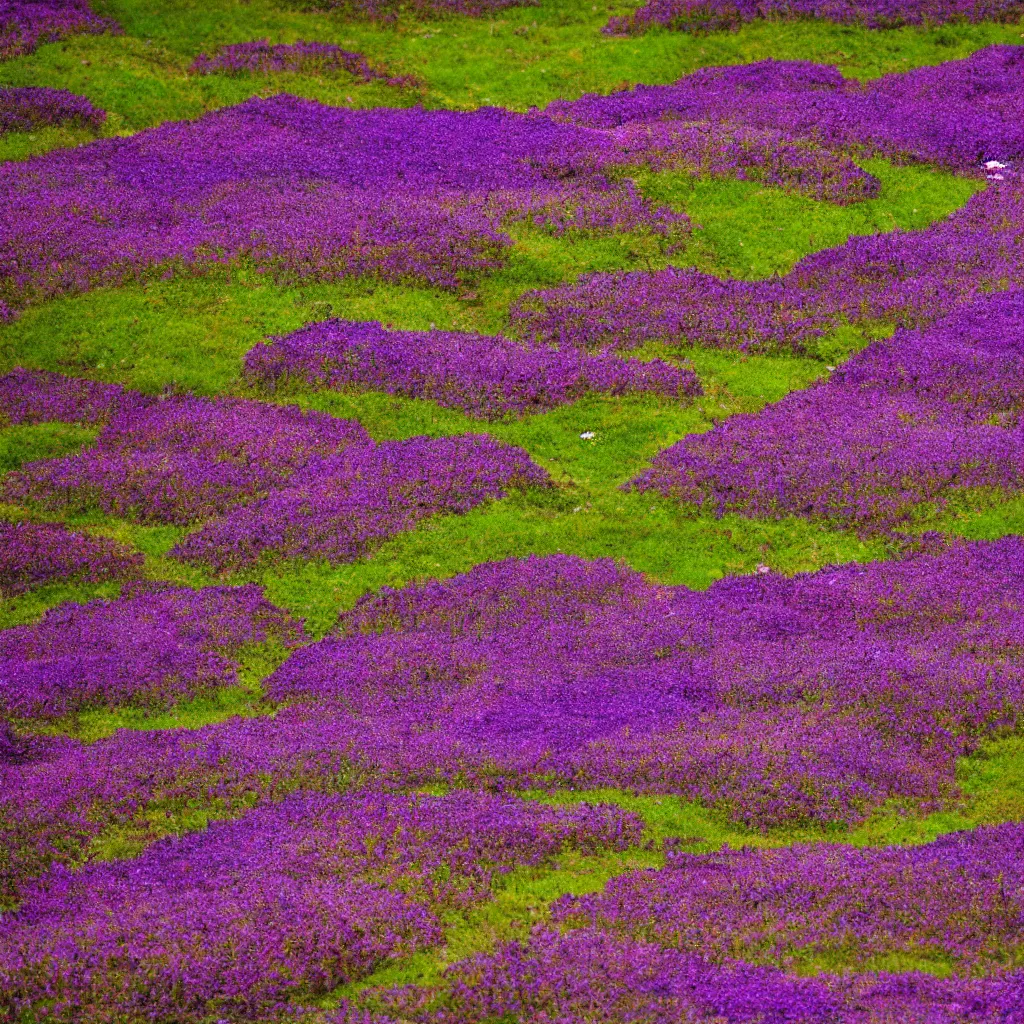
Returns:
<point x="262" y="57"/>
<point x="26" y="24"/>
<point x="905" y="426"/>
<point x="341" y="508"/>
<point x="34" y="554"/>
<point x="286" y="903"/>
<point x="26" y="109"/>
<point x="700" y="16"/>
<point x="486" y="376"/>
<point x="152" y="647"/>
<point x="173" y="460"/>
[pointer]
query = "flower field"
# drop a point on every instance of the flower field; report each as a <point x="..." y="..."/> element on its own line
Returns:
<point x="512" y="511"/>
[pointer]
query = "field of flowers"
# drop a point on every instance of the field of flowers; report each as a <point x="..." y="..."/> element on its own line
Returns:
<point x="512" y="511"/>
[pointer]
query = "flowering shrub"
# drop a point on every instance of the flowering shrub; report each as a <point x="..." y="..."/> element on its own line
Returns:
<point x="590" y="976"/>
<point x="180" y="459"/>
<point x="966" y="115"/>
<point x="298" y="190"/>
<point x="908" y="423"/>
<point x="780" y="701"/>
<point x="960" y="114"/>
<point x="958" y="899"/>
<point x="26" y="109"/>
<point x="340" y="508"/>
<point x="485" y="376"/>
<point x="763" y="155"/>
<point x="263" y="57"/>
<point x="718" y="15"/>
<point x="38" y="396"/>
<point x="902" y="279"/>
<point x="776" y="701"/>
<point x="33" y="554"/>
<point x="26" y="24"/>
<point x="152" y="647"/>
<point x="290" y="900"/>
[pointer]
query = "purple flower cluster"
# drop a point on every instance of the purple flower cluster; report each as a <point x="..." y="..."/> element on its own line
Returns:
<point x="38" y="396"/>
<point x="10" y="743"/>
<point x="391" y="10"/>
<point x="756" y="154"/>
<point x="587" y="975"/>
<point x="287" y="902"/>
<point x="263" y="57"/>
<point x="174" y="460"/>
<point x="967" y="115"/>
<point x="26" y="24"/>
<point x="779" y="700"/>
<point x="23" y="749"/>
<point x="316" y="486"/>
<point x="959" y="899"/>
<point x="29" y="108"/>
<point x="903" y="428"/>
<point x="151" y="648"/>
<point x="488" y="377"/>
<point x="959" y="114"/>
<point x="340" y="508"/>
<point x="906" y="278"/>
<point x="298" y="190"/>
<point x="700" y="16"/>
<point x="33" y="554"/>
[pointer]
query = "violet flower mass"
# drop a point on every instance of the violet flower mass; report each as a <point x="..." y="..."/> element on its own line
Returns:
<point x="288" y="901"/>
<point x="485" y="376"/>
<point x="907" y="425"/>
<point x="26" y="24"/>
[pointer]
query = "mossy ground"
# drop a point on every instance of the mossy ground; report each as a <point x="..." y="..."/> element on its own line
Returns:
<point x="191" y="334"/>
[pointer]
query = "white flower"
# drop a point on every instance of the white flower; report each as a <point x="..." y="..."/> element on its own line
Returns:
<point x="763" y="568"/>
<point x="994" y="177"/>
<point x="587" y="435"/>
<point x="830" y="368"/>
<point x="994" y="165"/>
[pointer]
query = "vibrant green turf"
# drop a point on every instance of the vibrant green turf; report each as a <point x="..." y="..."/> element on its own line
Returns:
<point x="192" y="333"/>
<point x="527" y="56"/>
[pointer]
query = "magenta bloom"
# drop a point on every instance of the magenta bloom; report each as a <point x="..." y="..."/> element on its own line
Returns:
<point x="288" y="902"/>
<point x="153" y="647"/>
<point x="958" y="899"/>
<point x="26" y="24"/>
<point x="959" y="114"/>
<point x="905" y="426"/>
<point x="263" y="57"/>
<point x="390" y="10"/>
<point x="178" y="459"/>
<point x="34" y="554"/>
<point x="485" y="376"/>
<point x="26" y="109"/>
<point x="588" y="975"/>
<point x="341" y="508"/>
<point x="297" y="190"/>
<point x="38" y="396"/>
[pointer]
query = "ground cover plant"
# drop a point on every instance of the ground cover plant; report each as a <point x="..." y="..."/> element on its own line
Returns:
<point x="511" y="512"/>
<point x="264" y="57"/>
<point x="25" y="25"/>
<point x="917" y="420"/>
<point x="701" y="16"/>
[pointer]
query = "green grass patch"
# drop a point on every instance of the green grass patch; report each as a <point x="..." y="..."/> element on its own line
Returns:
<point x="520" y="58"/>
